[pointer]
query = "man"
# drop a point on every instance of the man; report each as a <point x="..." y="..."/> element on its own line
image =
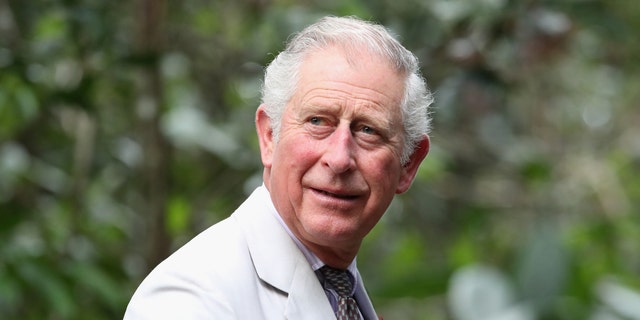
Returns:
<point x="342" y="128"/>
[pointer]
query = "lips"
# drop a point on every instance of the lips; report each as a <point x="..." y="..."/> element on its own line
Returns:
<point x="344" y="196"/>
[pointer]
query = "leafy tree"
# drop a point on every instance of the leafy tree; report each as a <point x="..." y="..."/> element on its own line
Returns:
<point x="127" y="127"/>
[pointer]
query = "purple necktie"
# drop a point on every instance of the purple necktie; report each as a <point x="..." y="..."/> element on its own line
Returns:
<point x="340" y="281"/>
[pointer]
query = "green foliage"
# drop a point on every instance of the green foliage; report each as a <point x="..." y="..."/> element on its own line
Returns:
<point x="127" y="127"/>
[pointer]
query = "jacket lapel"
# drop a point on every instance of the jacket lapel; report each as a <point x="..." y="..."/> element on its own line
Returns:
<point x="279" y="262"/>
<point x="307" y="299"/>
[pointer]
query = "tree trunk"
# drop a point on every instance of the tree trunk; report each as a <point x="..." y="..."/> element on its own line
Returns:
<point x="149" y="107"/>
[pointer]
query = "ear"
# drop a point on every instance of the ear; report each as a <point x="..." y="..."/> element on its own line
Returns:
<point x="265" y="136"/>
<point x="410" y="169"/>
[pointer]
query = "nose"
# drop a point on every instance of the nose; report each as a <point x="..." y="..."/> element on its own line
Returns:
<point x="339" y="151"/>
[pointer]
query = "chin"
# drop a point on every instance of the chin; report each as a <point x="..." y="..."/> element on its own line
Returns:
<point x="336" y="237"/>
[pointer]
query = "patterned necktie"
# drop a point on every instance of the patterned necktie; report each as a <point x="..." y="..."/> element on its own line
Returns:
<point x="340" y="281"/>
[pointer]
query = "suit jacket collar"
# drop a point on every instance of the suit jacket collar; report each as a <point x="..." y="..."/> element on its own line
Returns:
<point x="280" y="263"/>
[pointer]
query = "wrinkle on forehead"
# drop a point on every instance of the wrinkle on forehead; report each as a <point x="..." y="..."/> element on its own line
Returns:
<point x="362" y="71"/>
<point x="359" y="76"/>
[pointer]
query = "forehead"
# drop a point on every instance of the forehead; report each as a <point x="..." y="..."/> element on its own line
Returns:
<point x="356" y="74"/>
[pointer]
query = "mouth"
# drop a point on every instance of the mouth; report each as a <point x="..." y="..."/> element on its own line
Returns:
<point x="343" y="196"/>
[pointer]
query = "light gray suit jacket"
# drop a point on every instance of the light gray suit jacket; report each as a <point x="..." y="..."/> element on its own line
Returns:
<point x="245" y="267"/>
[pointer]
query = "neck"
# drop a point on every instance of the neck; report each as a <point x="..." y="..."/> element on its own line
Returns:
<point x="339" y="258"/>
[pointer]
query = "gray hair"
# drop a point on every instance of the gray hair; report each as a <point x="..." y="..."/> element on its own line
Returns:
<point x="281" y="76"/>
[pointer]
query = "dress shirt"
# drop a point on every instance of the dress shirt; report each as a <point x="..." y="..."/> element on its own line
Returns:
<point x="316" y="263"/>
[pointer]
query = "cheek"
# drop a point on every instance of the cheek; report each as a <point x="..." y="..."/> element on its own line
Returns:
<point x="294" y="155"/>
<point x="384" y="169"/>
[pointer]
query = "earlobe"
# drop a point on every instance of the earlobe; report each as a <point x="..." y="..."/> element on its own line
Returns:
<point x="410" y="169"/>
<point x="265" y="136"/>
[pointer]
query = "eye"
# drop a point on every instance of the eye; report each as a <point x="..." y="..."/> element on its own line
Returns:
<point x="368" y="130"/>
<point x="370" y="135"/>
<point x="318" y="126"/>
<point x="315" y="121"/>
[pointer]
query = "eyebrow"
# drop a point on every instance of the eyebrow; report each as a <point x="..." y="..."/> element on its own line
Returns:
<point x="380" y="122"/>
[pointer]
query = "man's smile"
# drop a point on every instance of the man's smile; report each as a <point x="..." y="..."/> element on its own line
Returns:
<point x="337" y="194"/>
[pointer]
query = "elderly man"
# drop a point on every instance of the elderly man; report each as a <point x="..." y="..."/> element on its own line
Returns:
<point x="342" y="128"/>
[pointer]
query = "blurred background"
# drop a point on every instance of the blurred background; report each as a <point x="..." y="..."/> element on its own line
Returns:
<point x="126" y="128"/>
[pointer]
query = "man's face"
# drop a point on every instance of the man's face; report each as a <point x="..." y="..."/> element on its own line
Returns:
<point x="336" y="166"/>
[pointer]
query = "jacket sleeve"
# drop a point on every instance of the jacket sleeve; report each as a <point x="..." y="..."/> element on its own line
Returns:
<point x="165" y="296"/>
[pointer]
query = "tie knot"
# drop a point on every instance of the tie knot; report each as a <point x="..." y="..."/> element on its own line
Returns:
<point x="338" y="279"/>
